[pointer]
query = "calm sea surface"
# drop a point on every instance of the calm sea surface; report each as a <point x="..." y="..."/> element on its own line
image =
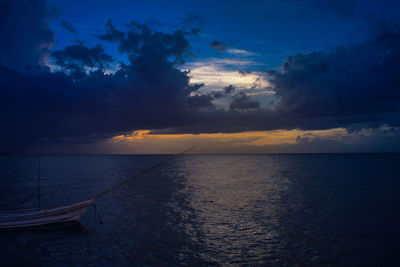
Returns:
<point x="295" y="210"/>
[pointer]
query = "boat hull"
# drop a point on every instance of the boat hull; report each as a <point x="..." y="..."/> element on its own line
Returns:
<point x="30" y="218"/>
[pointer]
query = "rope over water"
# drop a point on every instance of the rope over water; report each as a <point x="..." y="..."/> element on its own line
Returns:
<point x="140" y="174"/>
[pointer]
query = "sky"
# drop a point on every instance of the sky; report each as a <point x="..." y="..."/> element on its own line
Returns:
<point x="133" y="77"/>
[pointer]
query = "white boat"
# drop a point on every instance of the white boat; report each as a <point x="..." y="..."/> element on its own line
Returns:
<point x="37" y="217"/>
<point x="62" y="214"/>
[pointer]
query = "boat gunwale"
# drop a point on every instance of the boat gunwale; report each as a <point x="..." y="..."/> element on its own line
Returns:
<point x="61" y="216"/>
<point x="45" y="211"/>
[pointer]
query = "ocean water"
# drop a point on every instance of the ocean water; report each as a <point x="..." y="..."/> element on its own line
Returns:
<point x="276" y="210"/>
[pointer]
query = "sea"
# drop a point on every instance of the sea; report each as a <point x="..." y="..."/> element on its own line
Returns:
<point x="208" y="210"/>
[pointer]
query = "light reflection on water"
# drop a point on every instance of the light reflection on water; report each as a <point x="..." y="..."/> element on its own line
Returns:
<point x="229" y="200"/>
<point x="211" y="209"/>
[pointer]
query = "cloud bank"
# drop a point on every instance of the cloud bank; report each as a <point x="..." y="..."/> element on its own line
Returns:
<point x="353" y="87"/>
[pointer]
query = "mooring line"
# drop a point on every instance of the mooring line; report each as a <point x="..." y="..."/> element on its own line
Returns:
<point x="140" y="174"/>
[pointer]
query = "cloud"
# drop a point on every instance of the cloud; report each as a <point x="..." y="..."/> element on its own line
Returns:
<point x="219" y="81"/>
<point x="206" y="100"/>
<point x="145" y="141"/>
<point x="358" y="80"/>
<point x="57" y="108"/>
<point x="141" y="39"/>
<point x="193" y="20"/>
<point x="241" y="101"/>
<point x="219" y="73"/>
<point x="240" y="52"/>
<point x="200" y="101"/>
<point x="26" y="38"/>
<point x="383" y="139"/>
<point x="60" y="107"/>
<point x="218" y="46"/>
<point x="77" y="57"/>
<point x="112" y="34"/>
<point x="68" y="26"/>
<point x="229" y="89"/>
<point x="353" y="87"/>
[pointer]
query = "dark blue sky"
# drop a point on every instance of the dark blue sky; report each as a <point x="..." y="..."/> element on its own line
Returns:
<point x="273" y="29"/>
<point x="76" y="74"/>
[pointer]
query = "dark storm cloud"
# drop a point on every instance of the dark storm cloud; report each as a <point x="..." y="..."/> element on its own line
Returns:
<point x="205" y="100"/>
<point x="25" y="36"/>
<point x="216" y="95"/>
<point x="218" y="46"/>
<point x="57" y="107"/>
<point x="229" y="89"/>
<point x="352" y="86"/>
<point x="244" y="73"/>
<point x="200" y="101"/>
<point x="141" y="39"/>
<point x="77" y="106"/>
<point x="68" y="26"/>
<point x="76" y="57"/>
<point x="112" y="34"/>
<point x="220" y="94"/>
<point x="194" y="87"/>
<point x="355" y="80"/>
<point x="241" y="101"/>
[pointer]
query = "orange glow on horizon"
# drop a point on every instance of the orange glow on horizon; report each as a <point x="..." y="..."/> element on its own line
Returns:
<point x="144" y="140"/>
